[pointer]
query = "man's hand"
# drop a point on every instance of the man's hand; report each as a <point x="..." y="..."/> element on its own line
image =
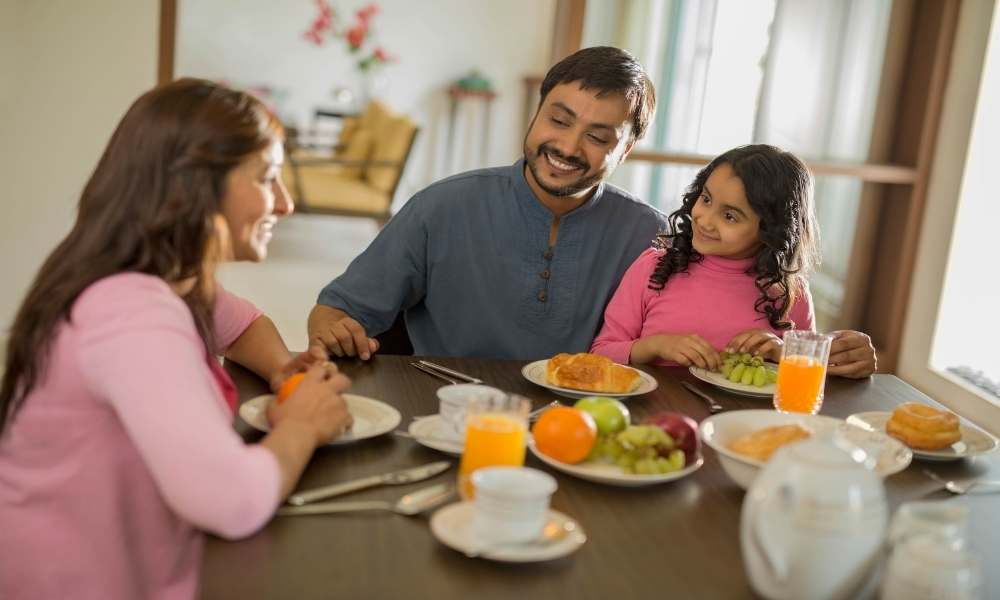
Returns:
<point x="684" y="350"/>
<point x="851" y="355"/>
<point x="338" y="334"/>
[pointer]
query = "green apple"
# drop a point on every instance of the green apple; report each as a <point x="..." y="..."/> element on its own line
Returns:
<point x="610" y="415"/>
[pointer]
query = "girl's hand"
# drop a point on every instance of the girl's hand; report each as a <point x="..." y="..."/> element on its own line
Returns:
<point x="313" y="356"/>
<point x="758" y="342"/>
<point x="851" y="355"/>
<point x="316" y="405"/>
<point x="684" y="350"/>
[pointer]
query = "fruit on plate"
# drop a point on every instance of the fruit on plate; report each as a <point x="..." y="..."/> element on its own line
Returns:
<point x="289" y="386"/>
<point x="565" y="434"/>
<point x="610" y="415"/>
<point x="641" y="450"/>
<point x="681" y="428"/>
<point x="747" y="370"/>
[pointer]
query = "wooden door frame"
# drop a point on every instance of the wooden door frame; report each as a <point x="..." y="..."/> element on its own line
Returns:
<point x="168" y="41"/>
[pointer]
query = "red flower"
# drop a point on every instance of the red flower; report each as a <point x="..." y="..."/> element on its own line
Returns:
<point x="356" y="36"/>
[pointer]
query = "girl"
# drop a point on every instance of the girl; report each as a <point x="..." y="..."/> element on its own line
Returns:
<point x="116" y="438"/>
<point x="729" y="273"/>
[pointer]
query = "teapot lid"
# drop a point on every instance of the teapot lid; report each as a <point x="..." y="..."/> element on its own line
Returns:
<point x="830" y="449"/>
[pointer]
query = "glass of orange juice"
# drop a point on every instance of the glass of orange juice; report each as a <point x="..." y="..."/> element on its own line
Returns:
<point x="802" y="372"/>
<point x="496" y="429"/>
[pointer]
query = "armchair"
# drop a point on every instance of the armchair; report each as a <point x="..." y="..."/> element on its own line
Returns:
<point x="360" y="174"/>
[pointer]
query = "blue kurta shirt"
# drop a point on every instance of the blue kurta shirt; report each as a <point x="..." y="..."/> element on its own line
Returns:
<point x="469" y="262"/>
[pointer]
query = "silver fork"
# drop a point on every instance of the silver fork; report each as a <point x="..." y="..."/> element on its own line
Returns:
<point x="533" y="415"/>
<point x="960" y="488"/>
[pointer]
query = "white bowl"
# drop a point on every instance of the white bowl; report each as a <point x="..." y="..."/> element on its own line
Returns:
<point x="718" y="431"/>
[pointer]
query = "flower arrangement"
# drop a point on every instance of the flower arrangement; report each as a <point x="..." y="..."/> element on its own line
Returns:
<point x="324" y="27"/>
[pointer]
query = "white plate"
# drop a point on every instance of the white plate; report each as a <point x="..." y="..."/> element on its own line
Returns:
<point x="716" y="379"/>
<point x="535" y="373"/>
<point x="371" y="417"/>
<point x="601" y="472"/>
<point x="434" y="433"/>
<point x="718" y="431"/>
<point x="452" y="526"/>
<point x="974" y="440"/>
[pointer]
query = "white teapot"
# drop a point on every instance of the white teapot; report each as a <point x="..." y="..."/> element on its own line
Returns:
<point x="814" y="520"/>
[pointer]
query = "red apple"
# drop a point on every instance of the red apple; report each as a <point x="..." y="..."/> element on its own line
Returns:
<point x="682" y="428"/>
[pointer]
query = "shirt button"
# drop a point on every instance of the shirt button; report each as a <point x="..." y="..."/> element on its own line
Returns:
<point x="542" y="296"/>
<point x="547" y="255"/>
<point x="545" y="274"/>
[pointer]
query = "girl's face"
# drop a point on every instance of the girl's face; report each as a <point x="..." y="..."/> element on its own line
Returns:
<point x="255" y="197"/>
<point x="722" y="222"/>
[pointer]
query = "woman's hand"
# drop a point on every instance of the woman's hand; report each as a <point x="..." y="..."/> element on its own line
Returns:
<point x="758" y="342"/>
<point x="316" y="405"/>
<point x="313" y="356"/>
<point x="851" y="355"/>
<point x="684" y="350"/>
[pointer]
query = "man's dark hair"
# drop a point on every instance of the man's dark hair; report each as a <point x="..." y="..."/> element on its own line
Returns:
<point x="609" y="70"/>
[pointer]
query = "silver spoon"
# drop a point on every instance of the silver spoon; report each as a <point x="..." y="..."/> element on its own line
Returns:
<point x="552" y="532"/>
<point x="410" y="504"/>
<point x="961" y="488"/>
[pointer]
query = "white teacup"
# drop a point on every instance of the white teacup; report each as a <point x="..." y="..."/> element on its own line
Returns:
<point x="455" y="398"/>
<point x="511" y="503"/>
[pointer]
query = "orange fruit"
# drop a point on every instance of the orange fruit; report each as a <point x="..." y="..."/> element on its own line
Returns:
<point x="565" y="434"/>
<point x="289" y="386"/>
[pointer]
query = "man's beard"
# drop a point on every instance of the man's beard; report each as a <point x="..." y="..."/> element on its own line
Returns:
<point x="583" y="184"/>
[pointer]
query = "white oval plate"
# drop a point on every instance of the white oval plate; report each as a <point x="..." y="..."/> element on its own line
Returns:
<point x="717" y="431"/>
<point x="371" y="417"/>
<point x="974" y="440"/>
<point x="610" y="474"/>
<point x="535" y="373"/>
<point x="716" y="379"/>
<point x="452" y="526"/>
<point x="434" y="433"/>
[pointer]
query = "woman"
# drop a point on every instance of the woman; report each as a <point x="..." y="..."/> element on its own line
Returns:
<point x="116" y="444"/>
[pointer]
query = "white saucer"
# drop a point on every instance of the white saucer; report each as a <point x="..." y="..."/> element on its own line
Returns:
<point x="452" y="526"/>
<point x="716" y="379"/>
<point x="535" y="373"/>
<point x="434" y="433"/>
<point x="974" y="440"/>
<point x="371" y="417"/>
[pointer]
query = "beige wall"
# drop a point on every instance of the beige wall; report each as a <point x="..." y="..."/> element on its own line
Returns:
<point x="68" y="70"/>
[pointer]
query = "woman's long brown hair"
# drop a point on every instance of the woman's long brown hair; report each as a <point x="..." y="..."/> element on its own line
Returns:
<point x="150" y="207"/>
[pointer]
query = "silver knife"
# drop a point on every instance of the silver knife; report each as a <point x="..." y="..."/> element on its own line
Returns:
<point x="395" y="478"/>
<point x="447" y="371"/>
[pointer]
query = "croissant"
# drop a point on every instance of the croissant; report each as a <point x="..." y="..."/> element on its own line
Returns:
<point x="590" y="373"/>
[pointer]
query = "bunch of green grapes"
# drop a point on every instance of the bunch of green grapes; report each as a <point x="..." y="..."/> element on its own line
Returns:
<point x="746" y="369"/>
<point x="640" y="450"/>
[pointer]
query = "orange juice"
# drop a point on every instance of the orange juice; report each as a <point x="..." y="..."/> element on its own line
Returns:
<point x="800" y="384"/>
<point x="491" y="440"/>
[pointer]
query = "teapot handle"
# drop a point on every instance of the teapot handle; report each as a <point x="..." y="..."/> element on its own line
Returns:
<point x="771" y="538"/>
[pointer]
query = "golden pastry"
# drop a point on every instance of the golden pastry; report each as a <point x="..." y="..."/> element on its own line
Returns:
<point x="590" y="373"/>
<point x="923" y="427"/>
<point x="761" y="444"/>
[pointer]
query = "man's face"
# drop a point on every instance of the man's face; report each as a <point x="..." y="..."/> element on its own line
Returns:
<point x="576" y="140"/>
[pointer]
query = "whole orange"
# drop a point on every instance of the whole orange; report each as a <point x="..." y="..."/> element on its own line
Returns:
<point x="566" y="434"/>
<point x="289" y="386"/>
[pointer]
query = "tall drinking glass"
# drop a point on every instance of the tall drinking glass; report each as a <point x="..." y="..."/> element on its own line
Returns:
<point x="802" y="372"/>
<point x="495" y="433"/>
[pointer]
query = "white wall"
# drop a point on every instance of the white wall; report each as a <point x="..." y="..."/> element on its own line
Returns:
<point x="68" y="71"/>
<point x="251" y="42"/>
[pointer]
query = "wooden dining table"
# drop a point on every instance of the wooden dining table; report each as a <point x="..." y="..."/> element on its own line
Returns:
<point x="678" y="539"/>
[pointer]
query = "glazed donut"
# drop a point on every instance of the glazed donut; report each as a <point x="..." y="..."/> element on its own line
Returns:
<point x="923" y="427"/>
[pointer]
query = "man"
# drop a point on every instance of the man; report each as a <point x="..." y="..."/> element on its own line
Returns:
<point x="511" y="262"/>
<point x="519" y="262"/>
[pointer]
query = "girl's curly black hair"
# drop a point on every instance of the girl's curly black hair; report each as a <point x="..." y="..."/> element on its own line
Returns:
<point x="779" y="189"/>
